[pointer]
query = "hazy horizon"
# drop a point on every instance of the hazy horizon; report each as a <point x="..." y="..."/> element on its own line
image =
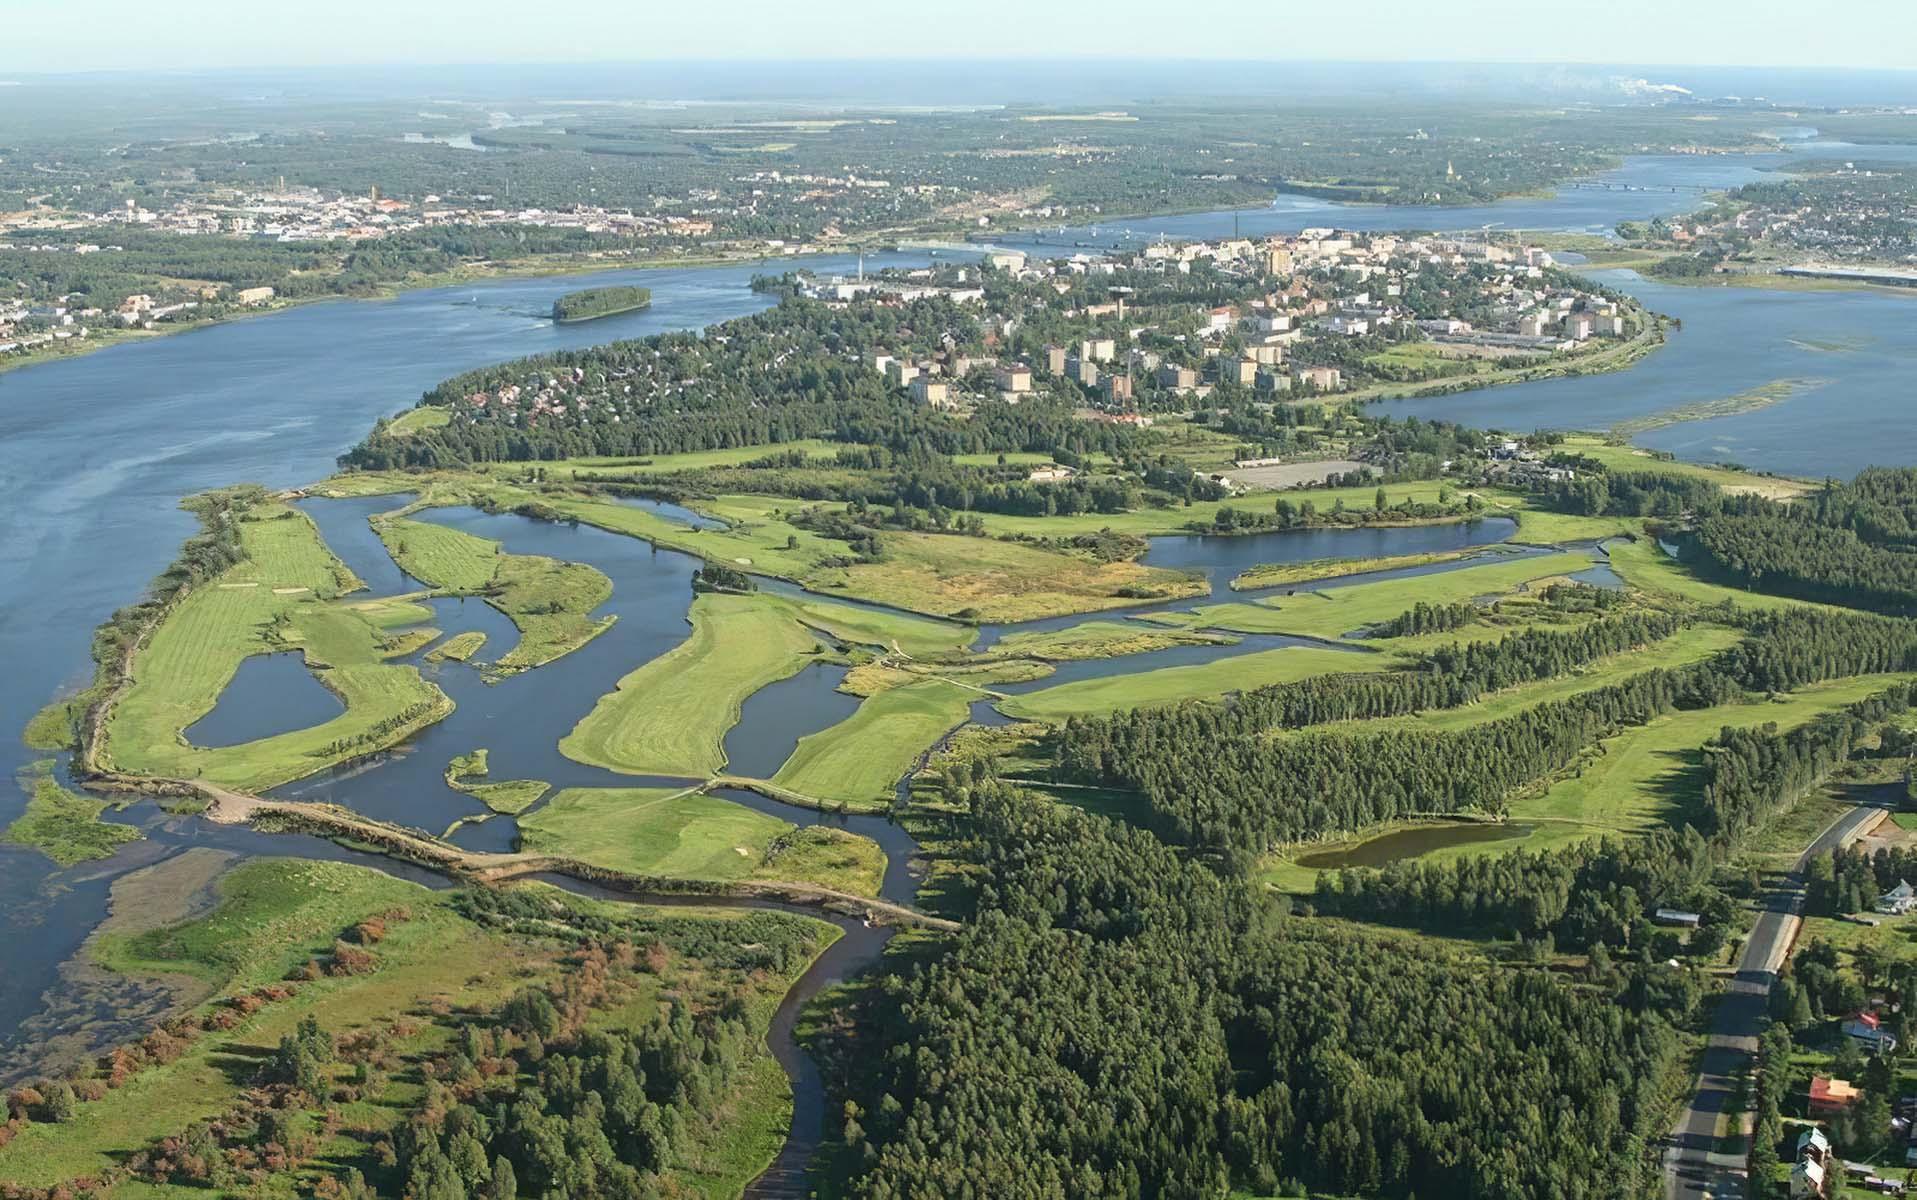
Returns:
<point x="219" y="34"/>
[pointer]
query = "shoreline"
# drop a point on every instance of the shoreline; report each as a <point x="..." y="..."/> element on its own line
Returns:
<point x="557" y="266"/>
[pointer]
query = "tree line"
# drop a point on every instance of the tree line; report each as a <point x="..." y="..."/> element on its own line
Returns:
<point x="1212" y="777"/>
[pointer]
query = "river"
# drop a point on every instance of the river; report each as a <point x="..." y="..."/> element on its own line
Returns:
<point x="96" y="451"/>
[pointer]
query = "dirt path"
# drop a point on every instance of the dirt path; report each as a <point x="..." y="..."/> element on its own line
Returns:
<point x="236" y="808"/>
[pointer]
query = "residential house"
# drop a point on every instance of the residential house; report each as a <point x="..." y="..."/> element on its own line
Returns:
<point x="1807" y="1179"/>
<point x="1050" y="473"/>
<point x="900" y="374"/>
<point x="1235" y="370"/>
<point x="1055" y="360"/>
<point x="1678" y="917"/>
<point x="1813" y="1144"/>
<point x="1015" y="378"/>
<point x="1118" y="388"/>
<point x="1081" y="369"/>
<point x="1867" y="1030"/>
<point x="1829" y="1096"/>
<point x="1097" y="350"/>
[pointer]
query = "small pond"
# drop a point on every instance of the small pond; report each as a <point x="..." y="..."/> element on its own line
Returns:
<point x="270" y="694"/>
<point x="1410" y="843"/>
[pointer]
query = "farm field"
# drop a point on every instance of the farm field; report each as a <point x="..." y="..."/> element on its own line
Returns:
<point x="688" y="835"/>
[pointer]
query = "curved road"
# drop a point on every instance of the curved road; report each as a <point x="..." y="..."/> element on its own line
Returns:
<point x="1693" y="1169"/>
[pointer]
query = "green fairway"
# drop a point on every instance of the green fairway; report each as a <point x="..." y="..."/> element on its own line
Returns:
<point x="276" y="599"/>
<point x="1331" y="613"/>
<point x="686" y="835"/>
<point x="860" y="761"/>
<point x="1644" y="777"/>
<point x="1100" y="639"/>
<point x="1178" y="518"/>
<point x="417" y="420"/>
<point x="1266" y="575"/>
<point x="1170" y="685"/>
<point x="1631" y="458"/>
<point x="670" y="716"/>
<point x="549" y="601"/>
<point x="1687" y="646"/>
<point x="1643" y="564"/>
<point x="658" y="464"/>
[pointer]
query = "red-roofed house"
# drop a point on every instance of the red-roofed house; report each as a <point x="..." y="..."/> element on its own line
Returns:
<point x="1830" y="1096"/>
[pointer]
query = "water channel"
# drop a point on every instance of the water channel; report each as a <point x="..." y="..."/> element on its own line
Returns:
<point x="96" y="451"/>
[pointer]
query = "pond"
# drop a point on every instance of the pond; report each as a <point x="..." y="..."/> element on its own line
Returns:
<point x="1219" y="559"/>
<point x="1414" y="842"/>
<point x="270" y="694"/>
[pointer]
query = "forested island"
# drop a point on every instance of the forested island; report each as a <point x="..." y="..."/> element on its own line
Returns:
<point x="589" y="304"/>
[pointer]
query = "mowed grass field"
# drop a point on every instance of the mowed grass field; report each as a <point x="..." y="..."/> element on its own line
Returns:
<point x="688" y="835"/>
<point x="1639" y="780"/>
<point x="1645" y="776"/>
<point x="1173" y="685"/>
<point x="278" y="598"/>
<point x="1689" y="645"/>
<point x="860" y="760"/>
<point x="670" y="716"/>
<point x="550" y="602"/>
<point x="1333" y="612"/>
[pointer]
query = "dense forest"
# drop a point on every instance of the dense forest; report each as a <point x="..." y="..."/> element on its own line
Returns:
<point x="1121" y="1020"/>
<point x="1852" y="544"/>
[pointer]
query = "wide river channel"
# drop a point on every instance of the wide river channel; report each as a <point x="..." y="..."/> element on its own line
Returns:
<point x="96" y="451"/>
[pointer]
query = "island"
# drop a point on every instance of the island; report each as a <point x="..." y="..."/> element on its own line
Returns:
<point x="590" y="304"/>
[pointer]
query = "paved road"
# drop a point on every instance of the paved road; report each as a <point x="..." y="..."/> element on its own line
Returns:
<point x="1692" y="1169"/>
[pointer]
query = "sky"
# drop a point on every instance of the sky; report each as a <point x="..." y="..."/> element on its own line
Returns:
<point x="82" y="35"/>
